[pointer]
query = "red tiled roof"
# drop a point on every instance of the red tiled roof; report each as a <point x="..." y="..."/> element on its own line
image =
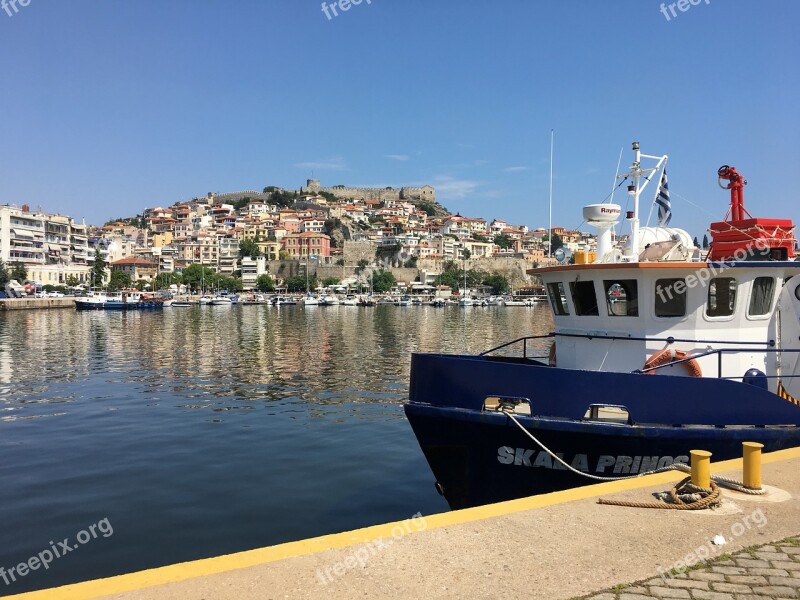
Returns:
<point x="133" y="260"/>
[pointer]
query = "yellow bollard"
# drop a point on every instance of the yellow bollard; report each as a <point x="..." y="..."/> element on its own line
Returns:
<point x="701" y="468"/>
<point x="751" y="465"/>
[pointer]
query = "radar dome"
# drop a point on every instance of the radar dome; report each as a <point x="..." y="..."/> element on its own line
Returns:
<point x="601" y="213"/>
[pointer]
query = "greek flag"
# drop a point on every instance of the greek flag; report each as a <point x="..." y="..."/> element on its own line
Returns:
<point x="662" y="201"/>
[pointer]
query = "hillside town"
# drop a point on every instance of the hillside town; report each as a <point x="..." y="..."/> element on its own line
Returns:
<point x="335" y="231"/>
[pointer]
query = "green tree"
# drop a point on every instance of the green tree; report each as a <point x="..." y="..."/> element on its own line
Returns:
<point x="163" y="280"/>
<point x="119" y="280"/>
<point x="98" y="269"/>
<point x="231" y="284"/>
<point x="297" y="283"/>
<point x="282" y="197"/>
<point x="199" y="277"/>
<point x="705" y="241"/>
<point x="429" y="208"/>
<point x="448" y="278"/>
<point x="502" y="240"/>
<point x="331" y="224"/>
<point x="556" y="243"/>
<point x="72" y="281"/>
<point x="474" y="277"/>
<point x="242" y="202"/>
<point x="142" y="284"/>
<point x="362" y="264"/>
<point x="696" y="242"/>
<point x="340" y="262"/>
<point x="3" y="276"/>
<point x="265" y="283"/>
<point x="497" y="282"/>
<point x="249" y="248"/>
<point x="382" y="281"/>
<point x="450" y="265"/>
<point x="18" y="271"/>
<point x="330" y="281"/>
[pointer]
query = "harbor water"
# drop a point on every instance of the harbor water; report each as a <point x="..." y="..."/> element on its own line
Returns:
<point x="134" y="440"/>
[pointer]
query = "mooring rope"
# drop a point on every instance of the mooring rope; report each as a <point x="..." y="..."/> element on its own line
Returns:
<point x="716" y="480"/>
<point x="684" y="496"/>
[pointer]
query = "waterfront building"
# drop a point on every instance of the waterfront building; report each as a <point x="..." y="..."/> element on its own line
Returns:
<point x="136" y="267"/>
<point x="252" y="269"/>
<point x="300" y="245"/>
<point x="52" y="247"/>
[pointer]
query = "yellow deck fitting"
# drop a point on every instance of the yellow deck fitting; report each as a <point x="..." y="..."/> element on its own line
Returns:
<point x="751" y="464"/>
<point x="701" y="468"/>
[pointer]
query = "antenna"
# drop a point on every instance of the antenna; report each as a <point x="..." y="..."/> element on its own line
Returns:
<point x="616" y="176"/>
<point x="550" y="221"/>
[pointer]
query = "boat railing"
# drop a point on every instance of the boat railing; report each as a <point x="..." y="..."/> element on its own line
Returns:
<point x="720" y="352"/>
<point x="765" y="347"/>
<point x="524" y="341"/>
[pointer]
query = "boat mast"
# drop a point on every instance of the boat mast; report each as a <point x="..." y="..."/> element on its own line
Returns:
<point x="635" y="189"/>
<point x="636" y="171"/>
<point x="550" y="202"/>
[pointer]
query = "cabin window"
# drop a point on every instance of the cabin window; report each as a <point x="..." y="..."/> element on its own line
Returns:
<point x="670" y="298"/>
<point x="761" y="297"/>
<point x="584" y="298"/>
<point x="622" y="298"/>
<point x="721" y="297"/>
<point x="558" y="298"/>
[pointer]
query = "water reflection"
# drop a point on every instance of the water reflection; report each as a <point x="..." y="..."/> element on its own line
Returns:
<point x="227" y="359"/>
<point x="204" y="431"/>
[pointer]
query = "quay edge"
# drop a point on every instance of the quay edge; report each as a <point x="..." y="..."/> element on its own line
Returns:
<point x="517" y="548"/>
<point x="35" y="303"/>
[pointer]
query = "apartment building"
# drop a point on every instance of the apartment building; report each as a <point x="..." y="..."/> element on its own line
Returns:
<point x="53" y="248"/>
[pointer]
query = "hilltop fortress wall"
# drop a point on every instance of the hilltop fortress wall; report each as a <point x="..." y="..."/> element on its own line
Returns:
<point x="424" y="193"/>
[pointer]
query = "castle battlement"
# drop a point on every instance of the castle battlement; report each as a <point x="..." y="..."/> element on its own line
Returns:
<point x="424" y="193"/>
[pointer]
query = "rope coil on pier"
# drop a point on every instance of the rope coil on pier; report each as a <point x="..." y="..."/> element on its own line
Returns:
<point x="684" y="496"/>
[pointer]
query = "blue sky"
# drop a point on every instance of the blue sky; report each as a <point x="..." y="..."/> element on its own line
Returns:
<point x="111" y="106"/>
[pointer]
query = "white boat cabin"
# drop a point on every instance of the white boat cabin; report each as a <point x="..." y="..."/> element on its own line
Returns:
<point x="656" y="307"/>
<point x="616" y="317"/>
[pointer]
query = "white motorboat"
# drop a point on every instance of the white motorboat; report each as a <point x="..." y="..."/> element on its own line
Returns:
<point x="309" y="300"/>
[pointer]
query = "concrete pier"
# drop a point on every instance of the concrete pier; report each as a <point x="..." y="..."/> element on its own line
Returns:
<point x="36" y="303"/>
<point x="555" y="546"/>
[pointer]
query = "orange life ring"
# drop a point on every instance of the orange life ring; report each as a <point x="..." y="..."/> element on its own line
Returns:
<point x="669" y="355"/>
<point x="552" y="358"/>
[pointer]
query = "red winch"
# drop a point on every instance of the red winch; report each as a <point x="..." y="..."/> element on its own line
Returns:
<point x="742" y="236"/>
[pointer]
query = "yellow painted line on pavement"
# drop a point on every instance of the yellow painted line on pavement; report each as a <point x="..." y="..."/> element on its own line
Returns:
<point x="220" y="564"/>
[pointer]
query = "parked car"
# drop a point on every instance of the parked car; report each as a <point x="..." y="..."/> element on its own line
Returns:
<point x="55" y="295"/>
<point x="40" y="294"/>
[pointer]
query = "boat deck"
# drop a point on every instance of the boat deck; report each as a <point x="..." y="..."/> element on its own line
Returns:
<point x="560" y="545"/>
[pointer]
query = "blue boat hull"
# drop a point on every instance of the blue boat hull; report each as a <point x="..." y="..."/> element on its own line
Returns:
<point x="479" y="456"/>
<point x="80" y="305"/>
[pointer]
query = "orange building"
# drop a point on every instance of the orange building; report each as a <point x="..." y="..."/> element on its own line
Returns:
<point x="300" y="245"/>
